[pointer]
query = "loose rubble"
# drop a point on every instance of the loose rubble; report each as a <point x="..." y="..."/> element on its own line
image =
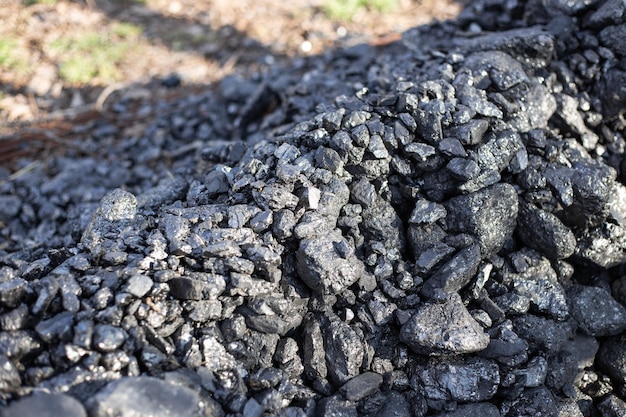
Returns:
<point x="436" y="227"/>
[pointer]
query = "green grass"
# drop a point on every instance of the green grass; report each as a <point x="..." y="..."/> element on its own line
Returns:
<point x="346" y="9"/>
<point x="90" y="55"/>
<point x="9" y="58"/>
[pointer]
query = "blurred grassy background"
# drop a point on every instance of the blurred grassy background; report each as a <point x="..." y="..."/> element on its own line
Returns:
<point x="56" y="54"/>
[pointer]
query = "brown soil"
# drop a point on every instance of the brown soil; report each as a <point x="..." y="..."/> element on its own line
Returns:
<point x="200" y="40"/>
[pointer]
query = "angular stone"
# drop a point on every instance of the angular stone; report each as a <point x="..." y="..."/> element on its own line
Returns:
<point x="55" y="327"/>
<point x="9" y="207"/>
<point x="139" y="285"/>
<point x="534" y="402"/>
<point x="500" y="150"/>
<point x="107" y="338"/>
<point x="12" y="291"/>
<point x="504" y="343"/>
<point x="362" y="386"/>
<point x="44" y="404"/>
<point x="604" y="246"/>
<point x="452" y="147"/>
<point x="489" y="214"/>
<point x="596" y="311"/>
<point x="176" y="229"/>
<point x="327" y="264"/>
<point x="545" y="294"/>
<point x="197" y="286"/>
<point x="454" y="274"/>
<point x="471" y="133"/>
<point x="148" y="397"/>
<point x="569" y="408"/>
<point x="463" y="169"/>
<point x="396" y="405"/>
<point x="335" y="406"/>
<point x="443" y="327"/>
<point x="427" y="212"/>
<point x="431" y="257"/>
<point x="10" y="380"/>
<point x="419" y="151"/>
<point x="612" y="357"/>
<point x="530" y="45"/>
<point x="115" y="210"/>
<point x="343" y="350"/>
<point x="542" y="334"/>
<point x="468" y="379"/>
<point x="544" y="232"/>
<point x="609" y="12"/>
<point x="313" y="350"/>
<point x="612" y="406"/>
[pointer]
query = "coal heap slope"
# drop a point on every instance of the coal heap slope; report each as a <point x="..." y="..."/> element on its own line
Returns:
<point x="432" y="228"/>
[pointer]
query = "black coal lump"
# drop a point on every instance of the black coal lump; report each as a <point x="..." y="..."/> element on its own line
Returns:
<point x="544" y="231"/>
<point x="490" y="215"/>
<point x="41" y="403"/>
<point x="443" y="327"/>
<point x="596" y="311"/>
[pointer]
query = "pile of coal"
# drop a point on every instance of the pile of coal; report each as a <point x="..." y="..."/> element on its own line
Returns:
<point x="432" y="228"/>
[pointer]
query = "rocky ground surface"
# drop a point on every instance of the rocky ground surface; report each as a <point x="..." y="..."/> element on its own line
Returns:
<point x="430" y="227"/>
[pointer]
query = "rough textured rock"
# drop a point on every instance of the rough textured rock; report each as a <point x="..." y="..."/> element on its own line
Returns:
<point x="596" y="311"/>
<point x="470" y="380"/>
<point x="443" y="327"/>
<point x="146" y="396"/>
<point x="544" y="232"/>
<point x="327" y="264"/>
<point x="44" y="404"/>
<point x="489" y="214"/>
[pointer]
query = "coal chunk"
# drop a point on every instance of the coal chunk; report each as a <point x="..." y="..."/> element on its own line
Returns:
<point x="541" y="333"/>
<point x="454" y="274"/>
<point x="534" y="401"/>
<point x="10" y="380"/>
<point x="612" y="357"/>
<point x="544" y="231"/>
<point x="362" y="385"/>
<point x="146" y="396"/>
<point x="197" y="286"/>
<point x="12" y="291"/>
<point x="604" y="246"/>
<point x="10" y="207"/>
<point x="457" y="379"/>
<point x="115" y="210"/>
<point x="327" y="264"/>
<point x="396" y="404"/>
<point x="107" y="338"/>
<point x="612" y="88"/>
<point x="44" y="404"/>
<point x="538" y="282"/>
<point x="612" y="406"/>
<point x="490" y="215"/>
<point x="596" y="311"/>
<point x="55" y="327"/>
<point x="336" y="406"/>
<point x="504" y="343"/>
<point x="443" y="327"/>
<point x="343" y="350"/>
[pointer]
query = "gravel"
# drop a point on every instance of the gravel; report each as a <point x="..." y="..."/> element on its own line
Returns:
<point x="431" y="227"/>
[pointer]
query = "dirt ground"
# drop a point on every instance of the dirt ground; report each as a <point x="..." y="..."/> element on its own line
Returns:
<point x="63" y="62"/>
